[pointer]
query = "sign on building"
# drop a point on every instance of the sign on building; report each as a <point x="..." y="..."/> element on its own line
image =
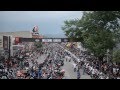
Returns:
<point x="17" y="40"/>
<point x="46" y="40"/>
<point x="35" y="32"/>
<point x="35" y="29"/>
<point x="5" y="42"/>
<point x="1" y="41"/>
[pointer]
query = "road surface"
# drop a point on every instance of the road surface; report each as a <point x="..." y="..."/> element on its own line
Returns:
<point x="68" y="67"/>
<point x="69" y="72"/>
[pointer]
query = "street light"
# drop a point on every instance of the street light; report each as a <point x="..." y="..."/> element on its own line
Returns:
<point x="107" y="55"/>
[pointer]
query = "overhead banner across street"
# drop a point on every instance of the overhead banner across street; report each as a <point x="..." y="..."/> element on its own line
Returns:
<point x="50" y="40"/>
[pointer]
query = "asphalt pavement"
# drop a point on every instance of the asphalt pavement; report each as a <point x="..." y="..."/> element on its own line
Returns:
<point x="41" y="58"/>
<point x="68" y="67"/>
<point x="69" y="71"/>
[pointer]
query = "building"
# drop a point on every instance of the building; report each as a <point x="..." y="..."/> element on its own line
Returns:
<point x="1" y="42"/>
<point x="24" y="34"/>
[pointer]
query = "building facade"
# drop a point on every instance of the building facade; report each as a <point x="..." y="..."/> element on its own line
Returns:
<point x="1" y="42"/>
<point x="22" y="34"/>
<point x="25" y="34"/>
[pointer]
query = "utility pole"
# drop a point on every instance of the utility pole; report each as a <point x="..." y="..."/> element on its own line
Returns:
<point x="107" y="55"/>
<point x="9" y="47"/>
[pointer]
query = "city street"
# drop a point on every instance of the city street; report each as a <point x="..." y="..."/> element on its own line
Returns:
<point x="68" y="67"/>
<point x="60" y="45"/>
<point x="41" y="58"/>
<point x="70" y="74"/>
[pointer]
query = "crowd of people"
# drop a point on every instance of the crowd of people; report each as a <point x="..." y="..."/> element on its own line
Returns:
<point x="94" y="67"/>
<point x="25" y="65"/>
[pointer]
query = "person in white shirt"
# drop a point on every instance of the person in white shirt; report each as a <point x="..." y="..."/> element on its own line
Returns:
<point x="91" y="68"/>
<point x="101" y="75"/>
<point x="114" y="70"/>
<point x="87" y="64"/>
<point x="93" y="71"/>
<point x="96" y="71"/>
<point x="74" y="66"/>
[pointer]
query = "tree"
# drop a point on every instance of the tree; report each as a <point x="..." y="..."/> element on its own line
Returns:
<point x="72" y="30"/>
<point x="98" y="31"/>
<point x="38" y="45"/>
<point x="116" y="56"/>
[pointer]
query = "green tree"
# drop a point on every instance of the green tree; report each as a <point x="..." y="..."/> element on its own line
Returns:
<point x="97" y="30"/>
<point x="73" y="30"/>
<point x="116" y="56"/>
<point x="38" y="45"/>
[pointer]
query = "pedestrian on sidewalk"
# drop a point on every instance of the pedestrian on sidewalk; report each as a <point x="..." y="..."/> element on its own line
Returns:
<point x="74" y="65"/>
<point x="78" y="74"/>
<point x="83" y="69"/>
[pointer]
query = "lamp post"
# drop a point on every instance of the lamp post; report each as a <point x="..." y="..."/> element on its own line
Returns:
<point x="107" y="55"/>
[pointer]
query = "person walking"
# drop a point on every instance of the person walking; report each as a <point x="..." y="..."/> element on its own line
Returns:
<point x="83" y="69"/>
<point x="39" y="73"/>
<point x="78" y="74"/>
<point x="74" y="66"/>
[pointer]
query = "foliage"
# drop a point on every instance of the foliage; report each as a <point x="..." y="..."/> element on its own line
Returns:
<point x="98" y="31"/>
<point x="116" y="56"/>
<point x="38" y="44"/>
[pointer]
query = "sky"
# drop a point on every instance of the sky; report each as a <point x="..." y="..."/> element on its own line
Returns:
<point x="48" y="22"/>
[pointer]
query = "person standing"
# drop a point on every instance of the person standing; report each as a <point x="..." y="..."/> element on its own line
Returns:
<point x="74" y="65"/>
<point x="78" y="74"/>
<point x="39" y="73"/>
<point x="83" y="69"/>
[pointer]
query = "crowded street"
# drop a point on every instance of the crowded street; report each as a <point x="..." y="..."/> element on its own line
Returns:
<point x="49" y="63"/>
<point x="52" y="61"/>
<point x="68" y="67"/>
<point x="60" y="45"/>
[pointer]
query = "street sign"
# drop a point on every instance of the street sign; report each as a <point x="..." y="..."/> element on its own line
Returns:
<point x="35" y="33"/>
<point x="37" y="40"/>
<point x="56" y="40"/>
<point x="46" y="40"/>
